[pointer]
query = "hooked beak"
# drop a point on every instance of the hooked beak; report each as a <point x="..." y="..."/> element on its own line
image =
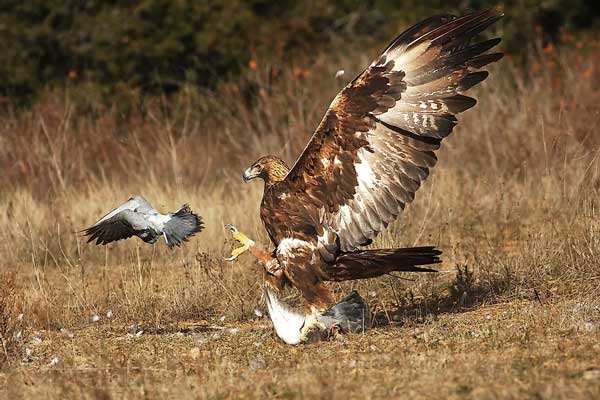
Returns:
<point x="249" y="174"/>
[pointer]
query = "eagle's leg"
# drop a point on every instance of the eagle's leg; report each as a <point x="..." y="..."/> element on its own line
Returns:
<point x="246" y="242"/>
<point x="270" y="264"/>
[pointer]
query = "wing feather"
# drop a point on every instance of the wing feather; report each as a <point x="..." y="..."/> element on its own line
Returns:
<point x="117" y="227"/>
<point x="134" y="203"/>
<point x="377" y="141"/>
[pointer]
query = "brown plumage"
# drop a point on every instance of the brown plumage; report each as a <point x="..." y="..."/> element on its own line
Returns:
<point x="369" y="155"/>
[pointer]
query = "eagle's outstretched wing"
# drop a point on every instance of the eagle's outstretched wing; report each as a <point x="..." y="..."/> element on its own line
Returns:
<point x="376" y="143"/>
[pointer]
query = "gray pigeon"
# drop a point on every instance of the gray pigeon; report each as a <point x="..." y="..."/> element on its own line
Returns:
<point x="350" y="315"/>
<point x="138" y="217"/>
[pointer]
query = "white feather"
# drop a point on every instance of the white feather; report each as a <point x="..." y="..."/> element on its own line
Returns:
<point x="286" y="321"/>
<point x="366" y="176"/>
<point x="287" y="247"/>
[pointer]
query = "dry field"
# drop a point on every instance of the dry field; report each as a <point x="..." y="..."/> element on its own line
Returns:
<point x="513" y="313"/>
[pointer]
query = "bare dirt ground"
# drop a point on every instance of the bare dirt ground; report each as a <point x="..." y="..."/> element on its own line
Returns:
<point x="520" y="349"/>
<point x="513" y="203"/>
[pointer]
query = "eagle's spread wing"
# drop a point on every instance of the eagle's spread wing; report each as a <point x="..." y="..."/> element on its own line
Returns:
<point x="376" y="143"/>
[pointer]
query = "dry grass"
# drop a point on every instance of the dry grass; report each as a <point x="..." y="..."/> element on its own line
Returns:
<point x="515" y="312"/>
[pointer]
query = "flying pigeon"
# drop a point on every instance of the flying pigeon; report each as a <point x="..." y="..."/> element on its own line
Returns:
<point x="138" y="217"/>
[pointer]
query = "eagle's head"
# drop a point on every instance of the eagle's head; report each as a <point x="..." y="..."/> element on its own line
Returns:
<point x="270" y="168"/>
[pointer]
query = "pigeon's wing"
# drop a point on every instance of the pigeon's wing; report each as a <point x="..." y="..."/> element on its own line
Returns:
<point x="135" y="203"/>
<point x="142" y="205"/>
<point x="182" y="224"/>
<point x="351" y="314"/>
<point x="120" y="225"/>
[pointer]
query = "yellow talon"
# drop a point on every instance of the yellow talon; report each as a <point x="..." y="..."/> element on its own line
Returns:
<point x="243" y="239"/>
<point x="235" y="253"/>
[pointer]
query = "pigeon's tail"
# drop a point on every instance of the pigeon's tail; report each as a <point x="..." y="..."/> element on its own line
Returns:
<point x="183" y="224"/>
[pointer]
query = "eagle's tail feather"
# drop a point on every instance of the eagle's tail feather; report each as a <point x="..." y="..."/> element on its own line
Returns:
<point x="373" y="263"/>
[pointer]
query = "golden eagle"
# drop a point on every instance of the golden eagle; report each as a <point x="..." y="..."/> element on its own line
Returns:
<point x="368" y="157"/>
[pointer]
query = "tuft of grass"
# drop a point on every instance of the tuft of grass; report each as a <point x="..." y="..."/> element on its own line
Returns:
<point x="13" y="332"/>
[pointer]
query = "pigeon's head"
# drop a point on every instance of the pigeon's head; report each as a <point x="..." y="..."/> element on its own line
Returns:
<point x="271" y="169"/>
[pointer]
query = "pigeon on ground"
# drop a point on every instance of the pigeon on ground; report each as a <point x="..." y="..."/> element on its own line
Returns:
<point x="138" y="217"/>
<point x="349" y="315"/>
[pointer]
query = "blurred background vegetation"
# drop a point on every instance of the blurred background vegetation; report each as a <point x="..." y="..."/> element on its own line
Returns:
<point x="108" y="51"/>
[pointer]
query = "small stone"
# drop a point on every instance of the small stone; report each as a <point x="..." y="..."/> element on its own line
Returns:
<point x="589" y="326"/>
<point x="20" y="317"/>
<point x="54" y="361"/>
<point x="234" y="331"/>
<point x="36" y="340"/>
<point x="194" y="353"/>
<point x="592" y="373"/>
<point x="339" y="73"/>
<point x="109" y="314"/>
<point x="28" y="353"/>
<point x="222" y="318"/>
<point x="258" y="313"/>
<point x="256" y="364"/>
<point x="67" y="332"/>
<point x="95" y="318"/>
